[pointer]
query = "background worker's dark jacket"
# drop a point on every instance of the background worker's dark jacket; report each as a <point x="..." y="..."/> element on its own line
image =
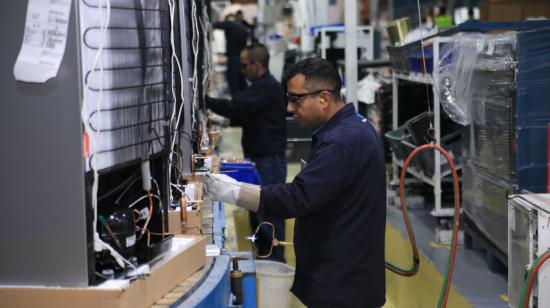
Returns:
<point x="236" y="35"/>
<point x="339" y="201"/>
<point x="261" y="111"/>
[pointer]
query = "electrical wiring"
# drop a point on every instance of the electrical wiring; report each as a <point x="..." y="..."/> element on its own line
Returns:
<point x="161" y="208"/>
<point x="178" y="169"/>
<point x="104" y="18"/>
<point x="150" y="199"/>
<point x="445" y="287"/>
<point x="423" y="56"/>
<point x="530" y="279"/>
<point x="207" y="54"/>
<point x="150" y="207"/>
<point x="136" y="218"/>
<point x="119" y="187"/>
<point x="179" y="189"/>
<point x="175" y="59"/>
<point x="117" y="200"/>
<point x="205" y="137"/>
<point x="141" y="198"/>
<point x="184" y="195"/>
<point x="174" y="126"/>
<point x="195" y="49"/>
<point x="134" y="180"/>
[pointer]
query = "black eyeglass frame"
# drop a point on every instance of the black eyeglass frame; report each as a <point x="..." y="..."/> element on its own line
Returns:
<point x="296" y="98"/>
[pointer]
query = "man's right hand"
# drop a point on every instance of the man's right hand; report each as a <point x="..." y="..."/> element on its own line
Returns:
<point x="220" y="187"/>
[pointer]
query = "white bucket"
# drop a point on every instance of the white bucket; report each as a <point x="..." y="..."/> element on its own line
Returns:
<point x="273" y="280"/>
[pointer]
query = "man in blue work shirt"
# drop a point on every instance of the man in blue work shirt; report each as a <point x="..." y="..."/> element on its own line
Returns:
<point x="260" y="110"/>
<point x="338" y="199"/>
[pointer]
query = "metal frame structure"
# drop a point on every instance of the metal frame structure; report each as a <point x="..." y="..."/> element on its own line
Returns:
<point x="351" y="53"/>
<point x="435" y="180"/>
<point x="370" y="41"/>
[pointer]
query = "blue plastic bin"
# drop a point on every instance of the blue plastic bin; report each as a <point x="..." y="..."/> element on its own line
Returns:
<point x="242" y="171"/>
<point x="416" y="61"/>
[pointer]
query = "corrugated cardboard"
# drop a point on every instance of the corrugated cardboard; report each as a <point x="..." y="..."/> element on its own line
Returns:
<point x="165" y="275"/>
<point x="513" y="10"/>
<point x="191" y="221"/>
<point x="175" y="225"/>
<point x="192" y="226"/>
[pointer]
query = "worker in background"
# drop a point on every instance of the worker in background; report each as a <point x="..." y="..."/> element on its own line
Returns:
<point x="239" y="17"/>
<point x="260" y="110"/>
<point x="338" y="199"/>
<point x="236" y="36"/>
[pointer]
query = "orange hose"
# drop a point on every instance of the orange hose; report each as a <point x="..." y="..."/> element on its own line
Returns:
<point x="532" y="280"/>
<point x="457" y="211"/>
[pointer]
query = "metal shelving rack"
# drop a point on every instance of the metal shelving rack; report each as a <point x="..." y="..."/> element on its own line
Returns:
<point x="435" y="180"/>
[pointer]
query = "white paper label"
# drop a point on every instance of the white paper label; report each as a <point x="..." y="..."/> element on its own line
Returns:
<point x="44" y="40"/>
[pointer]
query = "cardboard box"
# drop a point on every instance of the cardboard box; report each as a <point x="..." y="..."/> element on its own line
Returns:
<point x="175" y="223"/>
<point x="192" y="225"/>
<point x="189" y="222"/>
<point x="186" y="257"/>
<point x="513" y="10"/>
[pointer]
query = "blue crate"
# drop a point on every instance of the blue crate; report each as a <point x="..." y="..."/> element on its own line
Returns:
<point x="416" y="61"/>
<point x="242" y="171"/>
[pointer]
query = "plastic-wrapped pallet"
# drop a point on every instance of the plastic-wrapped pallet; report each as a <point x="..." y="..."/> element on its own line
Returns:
<point x="479" y="92"/>
<point x="494" y="86"/>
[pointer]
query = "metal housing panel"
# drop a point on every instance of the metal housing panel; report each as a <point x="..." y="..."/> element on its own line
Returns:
<point x="519" y="247"/>
<point x="43" y="221"/>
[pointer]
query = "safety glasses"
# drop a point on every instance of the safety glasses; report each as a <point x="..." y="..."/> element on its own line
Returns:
<point x="297" y="98"/>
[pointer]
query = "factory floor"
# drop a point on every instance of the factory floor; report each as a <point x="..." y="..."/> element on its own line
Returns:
<point x="473" y="284"/>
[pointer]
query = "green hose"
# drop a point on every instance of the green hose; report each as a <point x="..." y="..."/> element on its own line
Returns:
<point x="529" y="274"/>
<point x="444" y="285"/>
<point x="416" y="260"/>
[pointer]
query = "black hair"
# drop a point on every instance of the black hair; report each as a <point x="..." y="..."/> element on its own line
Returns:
<point x="258" y="52"/>
<point x="319" y="74"/>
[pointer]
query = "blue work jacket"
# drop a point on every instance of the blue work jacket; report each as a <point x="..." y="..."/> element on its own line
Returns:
<point x="261" y="111"/>
<point x="339" y="202"/>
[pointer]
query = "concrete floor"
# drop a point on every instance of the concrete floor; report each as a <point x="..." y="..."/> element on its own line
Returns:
<point x="471" y="277"/>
